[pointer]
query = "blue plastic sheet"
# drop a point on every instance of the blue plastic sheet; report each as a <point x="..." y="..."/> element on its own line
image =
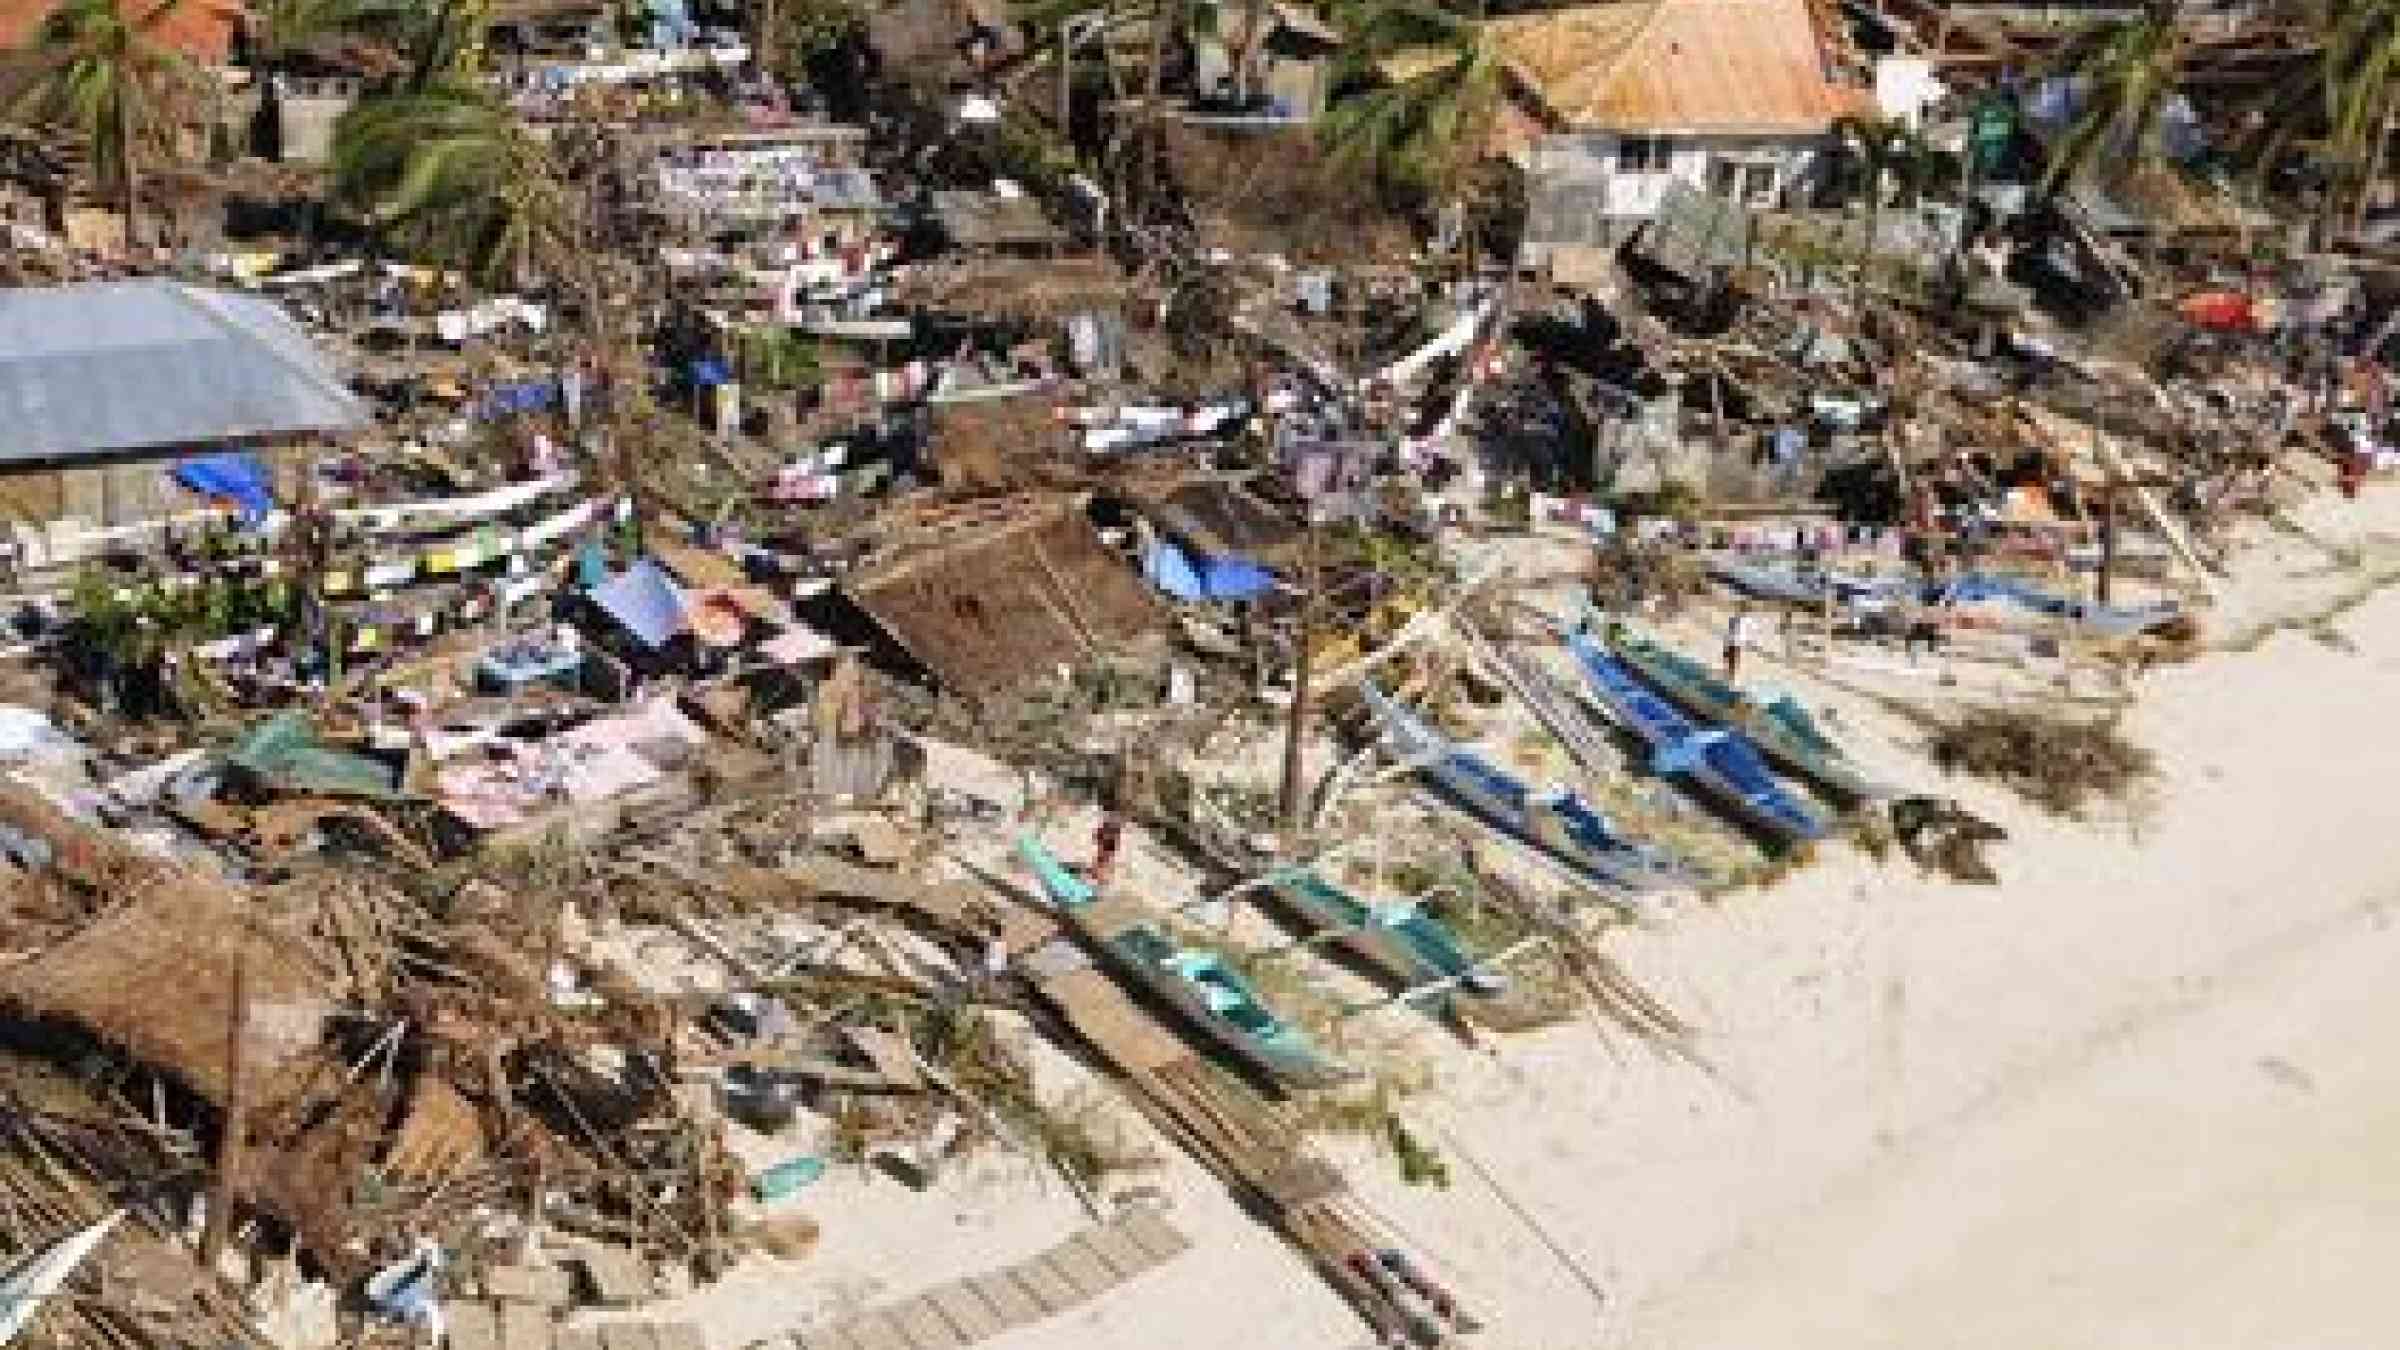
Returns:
<point x="238" y="478"/>
<point x="645" y="601"/>
<point x="1229" y="578"/>
<point x="708" y="372"/>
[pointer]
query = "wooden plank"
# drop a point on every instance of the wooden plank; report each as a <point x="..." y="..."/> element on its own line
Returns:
<point x="924" y="1326"/>
<point x="1153" y="1234"/>
<point x="473" y="1325"/>
<point x="1052" y="1290"/>
<point x="874" y="1331"/>
<point x="1082" y="1269"/>
<point x="524" y="1326"/>
<point x="965" y="1310"/>
<point x="1116" y="1251"/>
<point x="1008" y="1300"/>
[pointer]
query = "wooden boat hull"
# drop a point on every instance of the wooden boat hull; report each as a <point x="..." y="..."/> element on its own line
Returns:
<point x="1723" y="763"/>
<point x="1777" y="735"/>
<point x="1420" y="950"/>
<point x="1561" y="827"/>
<point x="1199" y="984"/>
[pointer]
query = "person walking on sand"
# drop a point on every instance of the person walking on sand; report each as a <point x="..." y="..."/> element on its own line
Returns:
<point x="1105" y="840"/>
<point x="1736" y="628"/>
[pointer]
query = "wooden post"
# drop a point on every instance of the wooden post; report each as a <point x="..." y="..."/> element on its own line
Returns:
<point x="229" y="1141"/>
<point x="1295" y="786"/>
<point x="2108" y="536"/>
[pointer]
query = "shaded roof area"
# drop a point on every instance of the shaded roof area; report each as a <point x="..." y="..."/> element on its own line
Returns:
<point x="989" y="220"/>
<point x="1677" y="65"/>
<point x="155" y="364"/>
<point x="1219" y="518"/>
<point x="991" y="594"/>
<point x="200" y="29"/>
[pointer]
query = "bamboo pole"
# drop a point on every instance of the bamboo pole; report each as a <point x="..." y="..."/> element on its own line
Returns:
<point x="229" y="1144"/>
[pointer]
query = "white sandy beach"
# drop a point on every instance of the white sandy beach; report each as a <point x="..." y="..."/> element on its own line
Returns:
<point x="2135" y="1096"/>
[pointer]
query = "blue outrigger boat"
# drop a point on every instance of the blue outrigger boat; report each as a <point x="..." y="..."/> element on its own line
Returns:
<point x="1557" y="823"/>
<point x="1199" y="983"/>
<point x="1781" y="729"/>
<point x="1721" y="761"/>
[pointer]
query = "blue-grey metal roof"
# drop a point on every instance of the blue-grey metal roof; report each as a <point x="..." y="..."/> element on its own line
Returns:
<point x="108" y="367"/>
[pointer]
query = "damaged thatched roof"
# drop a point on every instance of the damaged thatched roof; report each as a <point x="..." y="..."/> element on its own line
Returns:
<point x="156" y="975"/>
<point x="1002" y="591"/>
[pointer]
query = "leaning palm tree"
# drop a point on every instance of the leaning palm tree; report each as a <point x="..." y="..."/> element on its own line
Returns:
<point x="104" y="71"/>
<point x="1431" y="116"/>
<point x="449" y="171"/>
<point x="2125" y="74"/>
<point x="2350" y="93"/>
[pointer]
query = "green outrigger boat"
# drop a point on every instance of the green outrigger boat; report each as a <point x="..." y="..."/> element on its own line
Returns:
<point x="1411" y="948"/>
<point x="1782" y="730"/>
<point x="1199" y="983"/>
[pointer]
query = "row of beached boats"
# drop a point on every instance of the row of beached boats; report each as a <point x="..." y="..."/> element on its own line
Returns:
<point x="1866" y="594"/>
<point x="1695" y="727"/>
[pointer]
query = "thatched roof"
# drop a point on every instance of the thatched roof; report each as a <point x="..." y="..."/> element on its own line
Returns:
<point x="156" y="975"/>
<point x="1003" y="591"/>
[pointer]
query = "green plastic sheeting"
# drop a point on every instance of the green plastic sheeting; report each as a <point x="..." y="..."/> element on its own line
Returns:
<point x="284" y="753"/>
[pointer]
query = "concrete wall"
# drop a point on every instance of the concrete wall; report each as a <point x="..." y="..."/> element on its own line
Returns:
<point x="305" y="113"/>
<point x="1586" y="174"/>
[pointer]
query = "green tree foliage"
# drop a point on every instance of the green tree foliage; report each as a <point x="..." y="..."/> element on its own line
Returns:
<point x="102" y="71"/>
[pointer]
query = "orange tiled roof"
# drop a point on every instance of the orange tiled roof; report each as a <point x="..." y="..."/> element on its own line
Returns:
<point x="1677" y="65"/>
<point x="200" y="29"/>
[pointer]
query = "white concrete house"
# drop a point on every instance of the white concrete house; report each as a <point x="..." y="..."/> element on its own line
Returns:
<point x="1729" y="96"/>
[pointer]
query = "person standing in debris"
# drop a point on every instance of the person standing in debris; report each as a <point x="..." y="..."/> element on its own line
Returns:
<point x="1105" y="840"/>
<point x="1736" y="628"/>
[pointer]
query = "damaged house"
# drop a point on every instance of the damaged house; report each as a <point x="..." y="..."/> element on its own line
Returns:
<point x="1727" y="96"/>
<point x="992" y="594"/>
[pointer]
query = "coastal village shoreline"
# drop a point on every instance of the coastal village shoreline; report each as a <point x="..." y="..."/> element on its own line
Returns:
<point x="1325" y="674"/>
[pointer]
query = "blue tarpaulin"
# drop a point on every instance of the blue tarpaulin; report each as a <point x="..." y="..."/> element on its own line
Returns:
<point x="646" y="601"/>
<point x="1228" y="578"/>
<point x="237" y="478"/>
<point x="708" y="372"/>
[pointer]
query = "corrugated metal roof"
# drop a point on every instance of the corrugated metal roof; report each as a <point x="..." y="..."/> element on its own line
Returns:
<point x="1723" y="66"/>
<point x="154" y="364"/>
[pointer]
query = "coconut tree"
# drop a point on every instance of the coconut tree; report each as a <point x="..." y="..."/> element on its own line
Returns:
<point x="105" y="71"/>
<point x="2351" y="91"/>
<point x="451" y="172"/>
<point x="1429" y="118"/>
<point x="2124" y="74"/>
